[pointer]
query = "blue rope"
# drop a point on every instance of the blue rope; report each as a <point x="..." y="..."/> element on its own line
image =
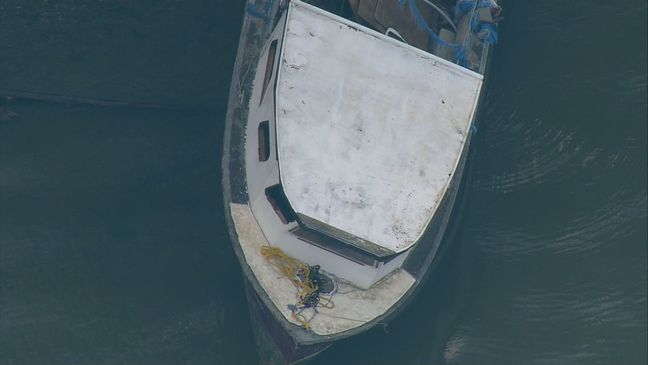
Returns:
<point x="464" y="6"/>
<point x="458" y="51"/>
<point x="253" y="10"/>
<point x="487" y="33"/>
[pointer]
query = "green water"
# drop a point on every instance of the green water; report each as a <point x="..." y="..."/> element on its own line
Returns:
<point x="113" y="245"/>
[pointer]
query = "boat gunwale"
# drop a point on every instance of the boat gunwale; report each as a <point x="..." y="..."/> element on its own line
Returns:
<point x="237" y="113"/>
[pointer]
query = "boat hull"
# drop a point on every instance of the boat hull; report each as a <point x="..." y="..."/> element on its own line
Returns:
<point x="275" y="345"/>
<point x="278" y="341"/>
<point x="278" y="346"/>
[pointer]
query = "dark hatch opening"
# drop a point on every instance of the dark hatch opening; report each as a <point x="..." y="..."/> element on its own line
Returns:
<point x="269" y="68"/>
<point x="264" y="141"/>
<point x="338" y="247"/>
<point x="280" y="204"/>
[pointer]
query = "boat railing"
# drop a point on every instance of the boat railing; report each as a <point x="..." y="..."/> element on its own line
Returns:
<point x="471" y="31"/>
<point x="481" y="34"/>
<point x="442" y="13"/>
<point x="474" y="31"/>
<point x="393" y="33"/>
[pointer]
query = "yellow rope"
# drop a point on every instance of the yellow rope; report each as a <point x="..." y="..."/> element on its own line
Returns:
<point x="302" y="320"/>
<point x="298" y="274"/>
<point x="291" y="268"/>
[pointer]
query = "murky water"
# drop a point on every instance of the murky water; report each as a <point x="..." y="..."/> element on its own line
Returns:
<point x="113" y="248"/>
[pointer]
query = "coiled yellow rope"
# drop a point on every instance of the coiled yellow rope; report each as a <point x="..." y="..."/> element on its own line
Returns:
<point x="291" y="268"/>
<point x="299" y="275"/>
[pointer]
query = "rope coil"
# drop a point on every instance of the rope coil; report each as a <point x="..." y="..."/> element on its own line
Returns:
<point x="307" y="280"/>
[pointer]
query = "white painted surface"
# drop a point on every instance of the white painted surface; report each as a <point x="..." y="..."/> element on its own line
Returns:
<point x="262" y="174"/>
<point x="353" y="306"/>
<point x="369" y="129"/>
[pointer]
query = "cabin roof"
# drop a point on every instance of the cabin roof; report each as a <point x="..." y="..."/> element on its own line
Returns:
<point x="369" y="129"/>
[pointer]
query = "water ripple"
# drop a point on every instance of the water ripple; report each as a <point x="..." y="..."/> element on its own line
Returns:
<point x="583" y="234"/>
<point x="538" y="153"/>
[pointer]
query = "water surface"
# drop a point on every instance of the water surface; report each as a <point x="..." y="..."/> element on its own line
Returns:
<point x="113" y="245"/>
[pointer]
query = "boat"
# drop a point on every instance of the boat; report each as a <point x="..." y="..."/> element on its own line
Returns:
<point x="347" y="133"/>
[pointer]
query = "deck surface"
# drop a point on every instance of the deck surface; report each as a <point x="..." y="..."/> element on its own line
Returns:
<point x="353" y="307"/>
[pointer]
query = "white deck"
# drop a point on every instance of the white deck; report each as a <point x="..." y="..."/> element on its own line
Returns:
<point x="353" y="306"/>
<point x="369" y="130"/>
